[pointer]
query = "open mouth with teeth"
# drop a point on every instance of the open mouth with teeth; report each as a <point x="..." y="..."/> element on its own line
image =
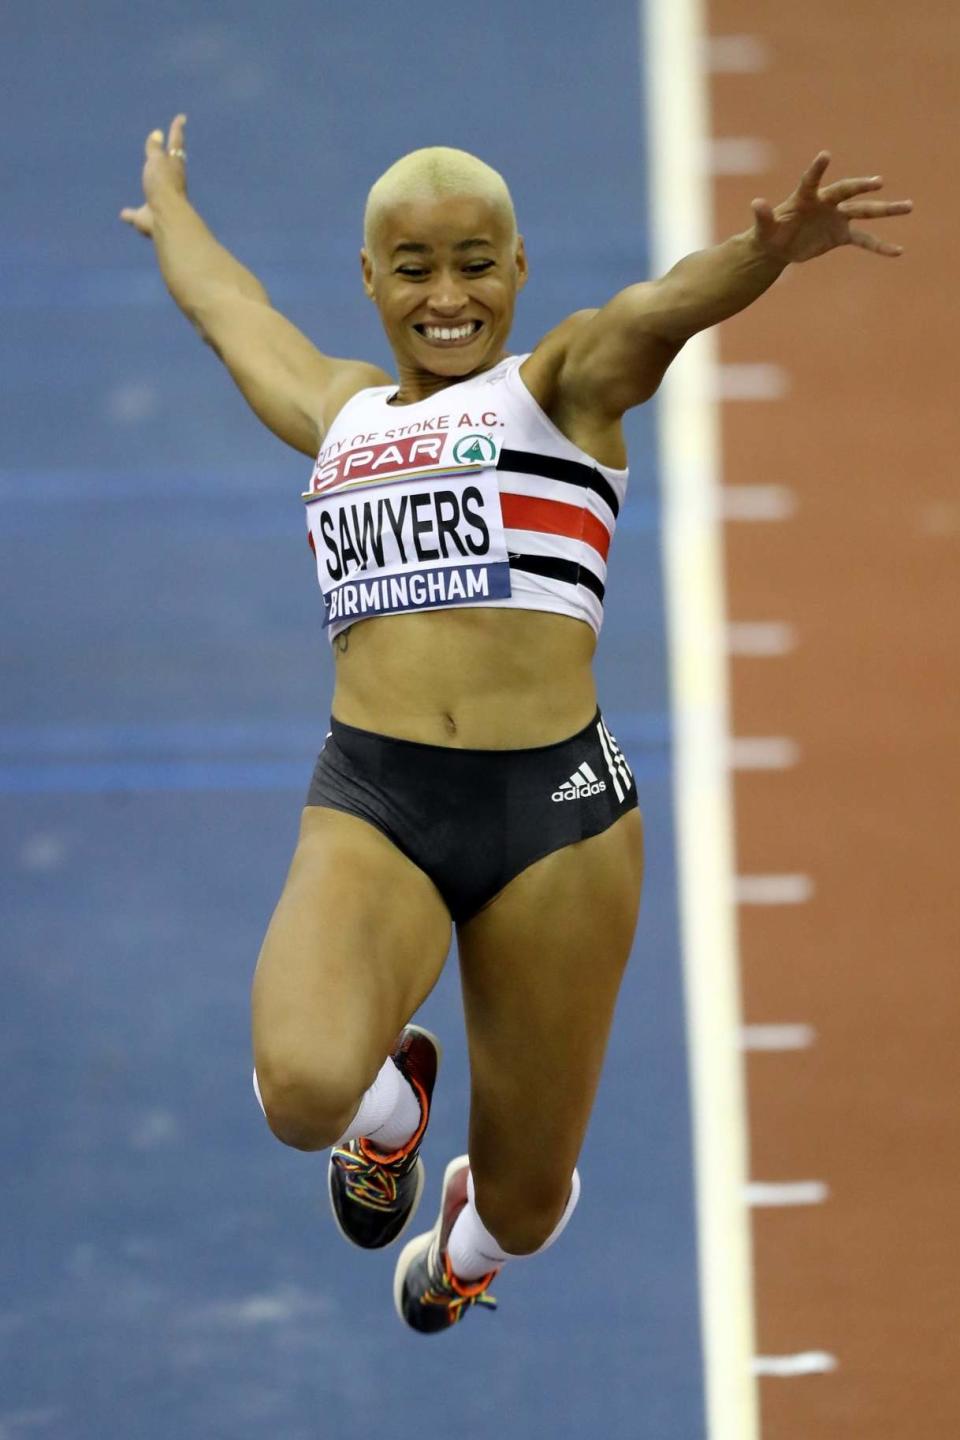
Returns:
<point x="450" y="334"/>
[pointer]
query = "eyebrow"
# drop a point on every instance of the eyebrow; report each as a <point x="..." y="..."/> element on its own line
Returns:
<point x="411" y="247"/>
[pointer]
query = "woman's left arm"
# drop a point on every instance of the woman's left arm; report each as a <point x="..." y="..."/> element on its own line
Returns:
<point x="622" y="352"/>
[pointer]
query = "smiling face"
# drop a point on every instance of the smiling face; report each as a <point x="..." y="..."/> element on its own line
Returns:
<point x="444" y="273"/>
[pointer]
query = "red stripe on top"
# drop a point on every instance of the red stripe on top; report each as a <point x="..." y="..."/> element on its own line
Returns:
<point x="523" y="512"/>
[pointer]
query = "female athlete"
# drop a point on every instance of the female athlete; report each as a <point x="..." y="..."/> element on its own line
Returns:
<point x="461" y="516"/>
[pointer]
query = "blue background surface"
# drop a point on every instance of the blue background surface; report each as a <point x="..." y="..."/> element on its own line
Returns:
<point x="168" y="1269"/>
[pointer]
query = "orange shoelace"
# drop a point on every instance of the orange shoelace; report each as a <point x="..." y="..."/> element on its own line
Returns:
<point x="458" y="1295"/>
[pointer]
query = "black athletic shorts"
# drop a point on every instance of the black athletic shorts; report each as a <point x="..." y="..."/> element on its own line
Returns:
<point x="473" y="819"/>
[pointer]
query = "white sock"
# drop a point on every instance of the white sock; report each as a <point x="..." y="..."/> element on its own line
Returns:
<point x="389" y="1112"/>
<point x="472" y="1249"/>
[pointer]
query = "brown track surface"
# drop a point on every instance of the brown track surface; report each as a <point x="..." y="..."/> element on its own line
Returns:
<point x="868" y="571"/>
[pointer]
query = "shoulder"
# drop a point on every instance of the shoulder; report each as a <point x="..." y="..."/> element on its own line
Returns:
<point x="550" y="375"/>
<point x="542" y="371"/>
<point x="351" y="377"/>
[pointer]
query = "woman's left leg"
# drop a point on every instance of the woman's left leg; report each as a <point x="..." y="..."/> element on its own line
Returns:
<point x="541" y="967"/>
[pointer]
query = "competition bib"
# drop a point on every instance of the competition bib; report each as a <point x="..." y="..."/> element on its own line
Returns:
<point x="408" y="524"/>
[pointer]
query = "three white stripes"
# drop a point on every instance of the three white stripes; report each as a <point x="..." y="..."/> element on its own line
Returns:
<point x="620" y="772"/>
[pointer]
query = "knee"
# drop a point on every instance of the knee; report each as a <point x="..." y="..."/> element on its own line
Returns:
<point x="308" y="1102"/>
<point x="524" y="1218"/>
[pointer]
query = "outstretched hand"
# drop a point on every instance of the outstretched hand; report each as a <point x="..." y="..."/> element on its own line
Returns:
<point x="812" y="221"/>
<point x="162" y="170"/>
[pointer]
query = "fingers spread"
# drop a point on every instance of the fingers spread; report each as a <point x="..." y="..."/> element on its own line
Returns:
<point x="870" y="242"/>
<point x="154" y="142"/>
<point x="763" y="213"/>
<point x="844" y="189"/>
<point x="869" y="209"/>
<point x="812" y="175"/>
<point x="175" y="138"/>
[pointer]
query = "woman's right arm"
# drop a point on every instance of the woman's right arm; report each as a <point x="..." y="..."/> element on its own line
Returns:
<point x="293" y="388"/>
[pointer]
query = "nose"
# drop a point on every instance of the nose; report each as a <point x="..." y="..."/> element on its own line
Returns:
<point x="447" y="296"/>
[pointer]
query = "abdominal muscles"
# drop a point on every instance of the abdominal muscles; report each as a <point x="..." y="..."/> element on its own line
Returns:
<point x="480" y="678"/>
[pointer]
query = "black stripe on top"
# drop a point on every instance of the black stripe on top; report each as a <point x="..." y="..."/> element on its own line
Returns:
<point x="553" y="467"/>
<point x="554" y="569"/>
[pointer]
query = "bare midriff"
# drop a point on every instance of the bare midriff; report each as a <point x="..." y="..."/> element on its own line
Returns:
<point x="480" y="679"/>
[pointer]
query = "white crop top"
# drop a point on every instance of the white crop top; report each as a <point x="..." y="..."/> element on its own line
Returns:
<point x="472" y="497"/>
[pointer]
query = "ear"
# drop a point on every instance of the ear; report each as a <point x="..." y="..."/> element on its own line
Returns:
<point x="520" y="260"/>
<point x="366" y="271"/>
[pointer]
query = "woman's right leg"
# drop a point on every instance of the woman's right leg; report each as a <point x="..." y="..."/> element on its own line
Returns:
<point x="355" y="945"/>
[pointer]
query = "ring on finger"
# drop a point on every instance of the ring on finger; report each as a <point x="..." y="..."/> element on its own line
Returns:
<point x="178" y="154"/>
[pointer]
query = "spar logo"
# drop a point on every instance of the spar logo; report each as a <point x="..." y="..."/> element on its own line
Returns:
<point x="394" y="460"/>
<point x="475" y="450"/>
<point x="410" y="457"/>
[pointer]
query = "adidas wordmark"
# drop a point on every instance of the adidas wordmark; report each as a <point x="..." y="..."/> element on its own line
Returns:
<point x="582" y="783"/>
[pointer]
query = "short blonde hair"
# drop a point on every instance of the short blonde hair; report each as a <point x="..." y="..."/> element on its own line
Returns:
<point x="431" y="173"/>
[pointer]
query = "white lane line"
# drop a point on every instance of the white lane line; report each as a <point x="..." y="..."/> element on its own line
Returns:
<point x="777" y="1037"/>
<point x="762" y="752"/>
<point x="753" y="380"/>
<point x="756" y="502"/>
<point x="760" y="638"/>
<point x="734" y="54"/>
<point x="764" y="1195"/>
<point x="680" y="208"/>
<point x="772" y="889"/>
<point x="811" y="1362"/>
<point x="739" y="155"/>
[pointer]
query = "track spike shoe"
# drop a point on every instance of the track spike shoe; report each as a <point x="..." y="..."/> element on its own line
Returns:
<point x="427" y="1294"/>
<point x="374" y="1194"/>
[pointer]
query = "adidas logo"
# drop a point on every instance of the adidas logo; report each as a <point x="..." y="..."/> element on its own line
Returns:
<point x="582" y="783"/>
